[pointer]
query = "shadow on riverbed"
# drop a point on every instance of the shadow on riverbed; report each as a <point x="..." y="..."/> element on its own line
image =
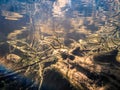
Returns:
<point x="52" y="81"/>
<point x="14" y="81"/>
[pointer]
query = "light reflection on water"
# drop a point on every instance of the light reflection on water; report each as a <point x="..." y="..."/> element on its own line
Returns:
<point x="71" y="19"/>
<point x="46" y="10"/>
<point x="51" y="13"/>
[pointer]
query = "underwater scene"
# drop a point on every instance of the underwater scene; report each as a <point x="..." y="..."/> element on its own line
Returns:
<point x="59" y="44"/>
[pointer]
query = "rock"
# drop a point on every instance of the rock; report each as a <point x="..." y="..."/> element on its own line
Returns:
<point x="13" y="57"/>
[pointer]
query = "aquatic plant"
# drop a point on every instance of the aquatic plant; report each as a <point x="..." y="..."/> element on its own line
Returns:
<point x="83" y="63"/>
<point x="49" y="52"/>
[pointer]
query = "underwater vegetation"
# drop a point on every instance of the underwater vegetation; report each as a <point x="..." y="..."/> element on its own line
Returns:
<point x="60" y="45"/>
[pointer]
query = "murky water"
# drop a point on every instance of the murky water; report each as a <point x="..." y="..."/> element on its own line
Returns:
<point x="34" y="20"/>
